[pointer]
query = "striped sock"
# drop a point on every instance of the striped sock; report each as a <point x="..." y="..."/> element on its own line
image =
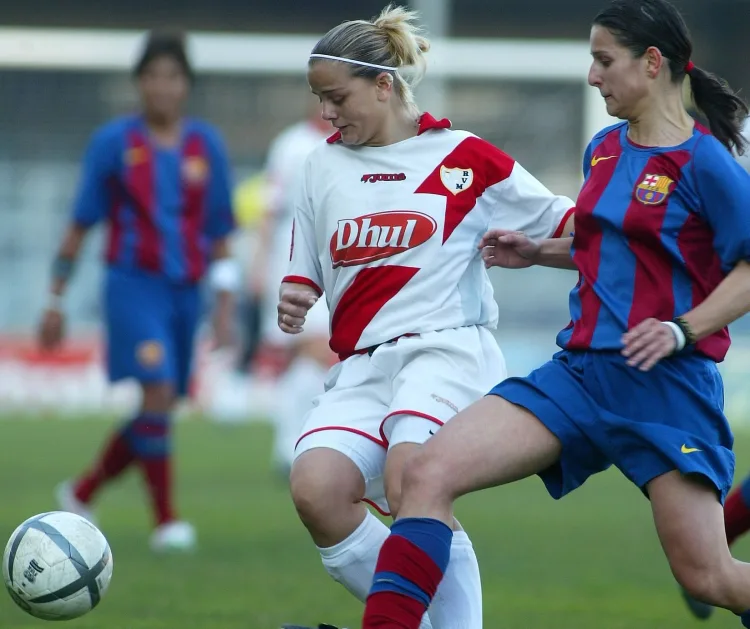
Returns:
<point x="115" y="458"/>
<point x="409" y="569"/>
<point x="150" y="438"/>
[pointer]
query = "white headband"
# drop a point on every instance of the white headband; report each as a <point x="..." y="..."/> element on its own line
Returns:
<point x="355" y="62"/>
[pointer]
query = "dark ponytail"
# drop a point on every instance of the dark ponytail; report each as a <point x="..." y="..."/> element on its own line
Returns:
<point x="641" y="24"/>
<point x="723" y="108"/>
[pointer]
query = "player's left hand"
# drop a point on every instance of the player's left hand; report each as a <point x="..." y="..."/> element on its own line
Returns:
<point x="294" y="303"/>
<point x="508" y="249"/>
<point x="647" y="343"/>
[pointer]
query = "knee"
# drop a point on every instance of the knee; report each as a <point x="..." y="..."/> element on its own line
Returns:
<point x="158" y="397"/>
<point x="321" y="493"/>
<point x="704" y="583"/>
<point x="424" y="476"/>
<point x="309" y="497"/>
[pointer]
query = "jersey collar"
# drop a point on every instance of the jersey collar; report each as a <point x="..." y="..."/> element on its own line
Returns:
<point x="426" y="123"/>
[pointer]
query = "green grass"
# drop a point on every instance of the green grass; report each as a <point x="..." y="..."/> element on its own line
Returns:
<point x="591" y="561"/>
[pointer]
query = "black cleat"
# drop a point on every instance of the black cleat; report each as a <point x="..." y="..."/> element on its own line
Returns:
<point x="699" y="609"/>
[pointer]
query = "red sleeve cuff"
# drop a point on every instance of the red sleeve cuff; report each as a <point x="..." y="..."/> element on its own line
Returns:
<point x="299" y="279"/>
<point x="559" y="231"/>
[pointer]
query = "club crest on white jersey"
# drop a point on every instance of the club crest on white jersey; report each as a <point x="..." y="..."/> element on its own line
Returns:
<point x="456" y="179"/>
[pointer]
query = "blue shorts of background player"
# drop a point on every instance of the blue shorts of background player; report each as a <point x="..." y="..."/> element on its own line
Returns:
<point x="605" y="412"/>
<point x="151" y="324"/>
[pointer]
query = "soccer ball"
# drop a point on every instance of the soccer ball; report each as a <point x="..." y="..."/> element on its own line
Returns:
<point x="57" y="566"/>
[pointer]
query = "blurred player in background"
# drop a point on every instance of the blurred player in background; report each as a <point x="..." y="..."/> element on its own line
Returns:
<point x="161" y="183"/>
<point x="386" y="224"/>
<point x="745" y="159"/>
<point x="249" y="210"/>
<point x="307" y="355"/>
<point x="662" y="246"/>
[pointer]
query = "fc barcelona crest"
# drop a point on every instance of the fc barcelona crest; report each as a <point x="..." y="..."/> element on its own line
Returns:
<point x="654" y="189"/>
<point x="194" y="169"/>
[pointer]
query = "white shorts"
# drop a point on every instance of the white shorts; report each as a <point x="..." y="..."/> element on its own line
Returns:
<point x="402" y="393"/>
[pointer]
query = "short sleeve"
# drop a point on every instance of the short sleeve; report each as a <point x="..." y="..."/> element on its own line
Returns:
<point x="93" y="200"/>
<point x="304" y="264"/>
<point x="522" y="203"/>
<point x="724" y="190"/>
<point x="220" y="220"/>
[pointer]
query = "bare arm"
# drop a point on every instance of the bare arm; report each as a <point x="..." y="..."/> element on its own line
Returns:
<point x="651" y="340"/>
<point x="555" y="253"/>
<point x="515" y="250"/>
<point x="69" y="250"/>
<point x="51" y="328"/>
<point x="728" y="302"/>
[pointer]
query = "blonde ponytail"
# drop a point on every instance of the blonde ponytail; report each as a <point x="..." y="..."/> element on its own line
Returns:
<point x="405" y="42"/>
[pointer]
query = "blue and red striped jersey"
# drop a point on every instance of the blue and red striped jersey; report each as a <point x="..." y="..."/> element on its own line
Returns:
<point x="656" y="230"/>
<point x="164" y="206"/>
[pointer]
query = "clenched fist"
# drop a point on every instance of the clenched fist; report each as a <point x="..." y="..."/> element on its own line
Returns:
<point x="295" y="300"/>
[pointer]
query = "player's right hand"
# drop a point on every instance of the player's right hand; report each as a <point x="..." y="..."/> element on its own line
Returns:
<point x="51" y="329"/>
<point x="508" y="249"/>
<point x="294" y="303"/>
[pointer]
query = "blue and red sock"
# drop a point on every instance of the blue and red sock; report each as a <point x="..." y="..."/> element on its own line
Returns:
<point x="149" y="437"/>
<point x="411" y="565"/>
<point x="115" y="458"/>
<point x="737" y="512"/>
<point x="146" y="439"/>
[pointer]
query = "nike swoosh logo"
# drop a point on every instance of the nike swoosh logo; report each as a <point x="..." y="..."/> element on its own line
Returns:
<point x="685" y="450"/>
<point x="596" y="160"/>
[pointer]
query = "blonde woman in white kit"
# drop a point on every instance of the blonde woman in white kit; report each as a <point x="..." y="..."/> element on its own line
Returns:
<point x="386" y="226"/>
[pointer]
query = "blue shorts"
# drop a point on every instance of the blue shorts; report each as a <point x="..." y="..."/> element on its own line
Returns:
<point x="151" y="326"/>
<point x="645" y="423"/>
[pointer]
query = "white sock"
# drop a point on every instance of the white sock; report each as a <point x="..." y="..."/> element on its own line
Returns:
<point x="352" y="562"/>
<point x="458" y="601"/>
<point x="302" y="381"/>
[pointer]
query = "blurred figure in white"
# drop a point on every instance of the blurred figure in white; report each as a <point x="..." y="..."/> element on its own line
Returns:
<point x="745" y="159"/>
<point x="307" y="355"/>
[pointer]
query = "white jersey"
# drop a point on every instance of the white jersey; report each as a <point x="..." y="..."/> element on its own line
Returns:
<point x="390" y="233"/>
